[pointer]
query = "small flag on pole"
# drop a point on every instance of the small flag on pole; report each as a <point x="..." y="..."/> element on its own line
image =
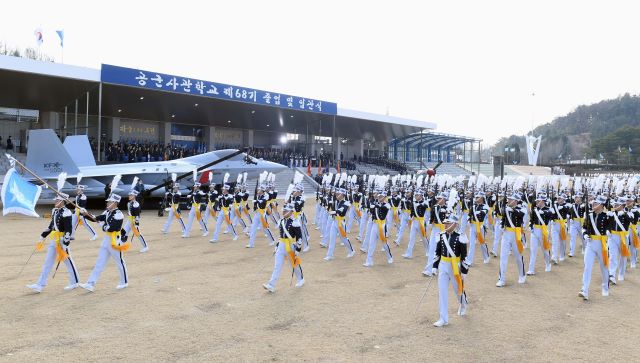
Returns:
<point x="18" y="195"/>
<point x="39" y="37"/>
<point x="61" y="35"/>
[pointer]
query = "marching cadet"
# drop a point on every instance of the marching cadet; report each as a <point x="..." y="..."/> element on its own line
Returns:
<point x="260" y="217"/>
<point x="394" y="201"/>
<point x="438" y="214"/>
<point x="273" y="205"/>
<point x="289" y="245"/>
<point x="212" y="204"/>
<point x="328" y="220"/>
<point x="371" y="223"/>
<point x="355" y="214"/>
<point x="297" y="200"/>
<point x="196" y="198"/>
<point x="338" y="226"/>
<point x="60" y="231"/>
<point x="133" y="220"/>
<point x="245" y="204"/>
<point x="512" y="240"/>
<point x="497" y="214"/>
<point x="559" y="238"/>
<point x="450" y="266"/>
<point x="405" y="212"/>
<point x="634" y="239"/>
<point x="577" y="211"/>
<point x="541" y="216"/>
<point x="226" y="201"/>
<point x="379" y="229"/>
<point x="467" y="204"/>
<point x="418" y="229"/>
<point x="316" y="218"/>
<point x="594" y="232"/>
<point x="173" y="197"/>
<point x="78" y="219"/>
<point x="476" y="216"/>
<point x="236" y="210"/>
<point x="619" y="221"/>
<point x="365" y="217"/>
<point x="113" y="244"/>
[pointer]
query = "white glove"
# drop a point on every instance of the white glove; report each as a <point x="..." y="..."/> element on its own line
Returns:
<point x="434" y="271"/>
<point x="508" y="209"/>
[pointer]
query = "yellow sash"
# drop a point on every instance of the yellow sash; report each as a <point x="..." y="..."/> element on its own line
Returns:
<point x="380" y="224"/>
<point x="605" y="251"/>
<point x="246" y="209"/>
<point x="295" y="260"/>
<point x="356" y="207"/>
<point x="175" y="210"/>
<point x="518" y="232"/>
<point x="236" y="207"/>
<point x="123" y="247"/>
<point x="339" y="220"/>
<point x="80" y="222"/>
<point x="225" y="210"/>
<point x="439" y="225"/>
<point x="61" y="254"/>
<point x="491" y="215"/>
<point x="132" y="223"/>
<point x="545" y="235"/>
<point x="623" y="243"/>
<point x="197" y="207"/>
<point x="563" y="228"/>
<point x="455" y="266"/>
<point x="395" y="214"/>
<point x="634" y="236"/>
<point x="479" y="234"/>
<point x="423" y="229"/>
<point x="265" y="224"/>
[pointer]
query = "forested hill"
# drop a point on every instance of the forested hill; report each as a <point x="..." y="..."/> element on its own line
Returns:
<point x="607" y="130"/>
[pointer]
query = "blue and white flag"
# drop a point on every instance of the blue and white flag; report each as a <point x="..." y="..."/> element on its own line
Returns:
<point x="18" y="195"/>
<point x="61" y="35"/>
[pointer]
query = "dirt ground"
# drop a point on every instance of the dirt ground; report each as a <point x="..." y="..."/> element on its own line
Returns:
<point x="190" y="300"/>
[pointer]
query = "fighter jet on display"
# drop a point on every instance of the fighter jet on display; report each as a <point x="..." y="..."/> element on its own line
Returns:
<point x="47" y="157"/>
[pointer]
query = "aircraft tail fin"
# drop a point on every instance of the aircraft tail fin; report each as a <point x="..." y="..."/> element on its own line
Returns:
<point x="47" y="157"/>
<point x="79" y="149"/>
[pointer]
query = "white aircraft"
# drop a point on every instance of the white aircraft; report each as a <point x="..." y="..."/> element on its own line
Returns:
<point x="48" y="157"/>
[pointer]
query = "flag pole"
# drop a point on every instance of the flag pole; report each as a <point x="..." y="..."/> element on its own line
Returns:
<point x="14" y="160"/>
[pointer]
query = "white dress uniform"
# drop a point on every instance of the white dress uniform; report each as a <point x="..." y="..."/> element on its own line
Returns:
<point x="133" y="221"/>
<point x="113" y="245"/>
<point x="595" y="235"/>
<point x="512" y="226"/>
<point x="196" y="199"/>
<point x="288" y="247"/>
<point x="260" y="219"/>
<point x="226" y="204"/>
<point x="449" y="262"/>
<point x="379" y="232"/>
<point x="418" y="227"/>
<point x="174" y="211"/>
<point x="337" y="228"/>
<point x="59" y="230"/>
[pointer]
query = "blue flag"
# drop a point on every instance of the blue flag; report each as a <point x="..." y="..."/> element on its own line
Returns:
<point x="18" y="195"/>
<point x="61" y="35"/>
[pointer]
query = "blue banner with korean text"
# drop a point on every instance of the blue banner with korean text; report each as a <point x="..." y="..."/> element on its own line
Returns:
<point x="165" y="82"/>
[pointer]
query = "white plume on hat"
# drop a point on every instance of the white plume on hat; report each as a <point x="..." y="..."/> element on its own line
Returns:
<point x="174" y="177"/>
<point x="244" y="177"/>
<point x="210" y="177"/>
<point x="115" y="181"/>
<point x="79" y="178"/>
<point x="135" y="181"/>
<point x="225" y="179"/>
<point x="239" y="179"/>
<point x="62" y="178"/>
